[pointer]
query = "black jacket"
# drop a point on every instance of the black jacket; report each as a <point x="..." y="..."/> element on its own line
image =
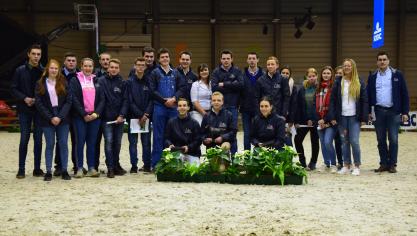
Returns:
<point x="215" y="125"/>
<point x="292" y="107"/>
<point x="139" y="95"/>
<point x="189" y="79"/>
<point x="78" y="99"/>
<point x="44" y="106"/>
<point x="248" y="100"/>
<point x="269" y="131"/>
<point x="233" y="84"/>
<point x="23" y="85"/>
<point x="335" y="109"/>
<point x="277" y="89"/>
<point x="299" y="113"/>
<point x="99" y="72"/>
<point x="116" y="102"/>
<point x="184" y="132"/>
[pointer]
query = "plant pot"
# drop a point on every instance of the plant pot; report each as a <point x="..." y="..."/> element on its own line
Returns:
<point x="216" y="178"/>
<point x="197" y="178"/>
<point x="241" y="179"/>
<point x="293" y="180"/>
<point x="267" y="180"/>
<point x="165" y="177"/>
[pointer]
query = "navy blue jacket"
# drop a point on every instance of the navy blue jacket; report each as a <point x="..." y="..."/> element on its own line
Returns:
<point x="23" y="85"/>
<point x="400" y="99"/>
<point x="116" y="102"/>
<point x="292" y="107"/>
<point x="155" y="78"/>
<point x="139" y="95"/>
<point x="99" y="72"/>
<point x="78" y="99"/>
<point x="233" y="84"/>
<point x="216" y="125"/>
<point x="184" y="132"/>
<point x="44" y="106"/>
<point x="335" y="109"/>
<point x="299" y="113"/>
<point x="248" y="100"/>
<point x="270" y="131"/>
<point x="277" y="89"/>
<point x="189" y="79"/>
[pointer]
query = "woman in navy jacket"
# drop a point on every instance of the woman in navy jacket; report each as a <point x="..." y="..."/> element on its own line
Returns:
<point x="183" y="133"/>
<point x="348" y="109"/>
<point x="88" y="103"/>
<point x="268" y="128"/>
<point x="53" y="102"/>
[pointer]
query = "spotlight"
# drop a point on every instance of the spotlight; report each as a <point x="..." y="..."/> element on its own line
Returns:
<point x="310" y="24"/>
<point x="298" y="34"/>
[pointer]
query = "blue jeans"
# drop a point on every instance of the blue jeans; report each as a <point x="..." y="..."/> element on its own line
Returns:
<point x="61" y="132"/>
<point x="247" y="118"/>
<point x="112" y="143"/>
<point x="146" y="148"/>
<point x="387" y="120"/>
<point x="86" y="133"/>
<point x="234" y="111"/>
<point x="161" y="115"/>
<point x="326" y="140"/>
<point x="25" y="121"/>
<point x="349" y="128"/>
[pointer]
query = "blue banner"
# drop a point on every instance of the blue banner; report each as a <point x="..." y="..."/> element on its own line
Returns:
<point x="378" y="29"/>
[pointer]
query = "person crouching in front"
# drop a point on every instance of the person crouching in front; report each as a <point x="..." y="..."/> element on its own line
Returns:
<point x="183" y="133"/>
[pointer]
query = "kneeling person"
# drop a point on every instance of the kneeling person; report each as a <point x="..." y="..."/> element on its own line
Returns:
<point x="183" y="133"/>
<point x="217" y="126"/>
<point x="268" y="128"/>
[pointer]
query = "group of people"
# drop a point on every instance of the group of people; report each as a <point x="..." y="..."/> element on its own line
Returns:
<point x="189" y="109"/>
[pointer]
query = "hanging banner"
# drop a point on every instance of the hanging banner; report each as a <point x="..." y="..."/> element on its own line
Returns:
<point x="378" y="29"/>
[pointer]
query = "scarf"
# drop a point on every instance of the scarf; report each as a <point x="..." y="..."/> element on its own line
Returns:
<point x="323" y="99"/>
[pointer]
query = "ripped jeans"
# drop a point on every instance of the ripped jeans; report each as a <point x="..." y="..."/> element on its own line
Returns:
<point x="349" y="129"/>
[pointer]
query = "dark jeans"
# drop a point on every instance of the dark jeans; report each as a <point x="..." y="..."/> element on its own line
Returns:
<point x="25" y="121"/>
<point x="86" y="133"/>
<point x="146" y="148"/>
<point x="338" y="147"/>
<point x="112" y="143"/>
<point x="73" y="150"/>
<point x="387" y="121"/>
<point x="235" y="114"/>
<point x="298" y="141"/>
<point x="98" y="147"/>
<point x="61" y="132"/>
<point x="161" y="114"/>
<point x="247" y="118"/>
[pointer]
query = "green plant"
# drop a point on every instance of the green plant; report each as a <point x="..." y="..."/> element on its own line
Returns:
<point x="170" y="163"/>
<point x="218" y="159"/>
<point x="191" y="169"/>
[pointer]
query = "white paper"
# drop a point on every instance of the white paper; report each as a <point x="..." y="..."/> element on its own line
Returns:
<point x="136" y="128"/>
<point x="293" y="131"/>
<point x="114" y="122"/>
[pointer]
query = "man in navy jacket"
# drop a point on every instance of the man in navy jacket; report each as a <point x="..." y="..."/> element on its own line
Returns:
<point x="23" y="90"/>
<point x="184" y="70"/>
<point x="166" y="88"/>
<point x="140" y="108"/>
<point x="388" y="99"/>
<point x="116" y="108"/>
<point x="228" y="80"/>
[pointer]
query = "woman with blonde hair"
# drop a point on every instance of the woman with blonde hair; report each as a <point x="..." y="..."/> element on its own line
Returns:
<point x="348" y="109"/>
<point x="305" y="119"/>
<point x="53" y="102"/>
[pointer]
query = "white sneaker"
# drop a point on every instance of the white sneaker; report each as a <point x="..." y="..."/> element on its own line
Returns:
<point x="344" y="170"/>
<point x="356" y="171"/>
<point x="333" y="169"/>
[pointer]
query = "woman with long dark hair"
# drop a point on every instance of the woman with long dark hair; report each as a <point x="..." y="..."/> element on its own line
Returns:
<point x="201" y="93"/>
<point x="53" y="101"/>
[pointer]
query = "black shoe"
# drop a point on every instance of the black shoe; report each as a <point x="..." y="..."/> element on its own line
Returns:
<point x="38" y="173"/>
<point x="65" y="175"/>
<point x="119" y="171"/>
<point x="145" y="169"/>
<point x="134" y="170"/>
<point x="312" y="166"/>
<point x="20" y="174"/>
<point x="110" y="173"/>
<point x="47" y="177"/>
<point x="392" y="169"/>
<point x="57" y="172"/>
<point x="381" y="169"/>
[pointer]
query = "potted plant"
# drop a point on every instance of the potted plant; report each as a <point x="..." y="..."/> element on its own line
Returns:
<point x="170" y="167"/>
